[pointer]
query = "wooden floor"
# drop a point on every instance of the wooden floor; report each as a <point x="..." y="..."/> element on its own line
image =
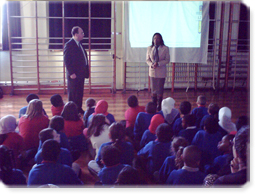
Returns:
<point x="237" y="101"/>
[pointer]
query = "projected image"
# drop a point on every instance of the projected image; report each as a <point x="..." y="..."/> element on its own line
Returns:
<point x="179" y="23"/>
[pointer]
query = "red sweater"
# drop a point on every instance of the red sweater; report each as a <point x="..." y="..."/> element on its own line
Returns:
<point x="73" y="128"/>
<point x="14" y="142"/>
<point x="56" y="110"/>
<point x="30" y="129"/>
<point x="131" y="113"/>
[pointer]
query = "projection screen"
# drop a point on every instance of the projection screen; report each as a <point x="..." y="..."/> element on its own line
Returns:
<point x="183" y="25"/>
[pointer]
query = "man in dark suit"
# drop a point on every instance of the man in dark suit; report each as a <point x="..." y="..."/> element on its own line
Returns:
<point x="76" y="62"/>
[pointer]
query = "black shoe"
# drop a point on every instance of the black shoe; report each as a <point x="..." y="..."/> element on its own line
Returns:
<point x="159" y="104"/>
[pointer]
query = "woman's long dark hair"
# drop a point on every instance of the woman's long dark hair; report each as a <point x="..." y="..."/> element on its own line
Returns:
<point x="96" y="126"/>
<point x="161" y="39"/>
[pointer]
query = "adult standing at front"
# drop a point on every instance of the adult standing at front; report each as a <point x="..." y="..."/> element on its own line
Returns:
<point x="157" y="58"/>
<point x="76" y="62"/>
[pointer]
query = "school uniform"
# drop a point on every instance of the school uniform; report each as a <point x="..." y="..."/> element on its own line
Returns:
<point x="109" y="175"/>
<point x="177" y="126"/>
<point x="16" y="178"/>
<point x="207" y="143"/>
<point x="189" y="133"/>
<point x="238" y="178"/>
<point x="131" y="114"/>
<point x="186" y="176"/>
<point x="56" y="110"/>
<point x="199" y="113"/>
<point x="64" y="143"/>
<point x="147" y="137"/>
<point x="150" y="133"/>
<point x="65" y="157"/>
<point x="14" y="142"/>
<point x="142" y="123"/>
<point x="52" y="173"/>
<point x="74" y="133"/>
<point x="156" y="152"/>
<point x="127" y="153"/>
<point x="30" y="129"/>
<point x="167" y="167"/>
<point x="219" y="163"/>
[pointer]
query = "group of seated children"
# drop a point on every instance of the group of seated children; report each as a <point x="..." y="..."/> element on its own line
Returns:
<point x="199" y="147"/>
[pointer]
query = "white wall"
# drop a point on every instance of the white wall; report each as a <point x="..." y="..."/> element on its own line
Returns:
<point x="28" y="31"/>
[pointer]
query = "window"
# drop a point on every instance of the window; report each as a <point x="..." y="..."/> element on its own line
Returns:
<point x="1" y="13"/>
<point x="100" y="22"/>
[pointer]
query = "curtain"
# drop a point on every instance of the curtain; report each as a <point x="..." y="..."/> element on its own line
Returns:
<point x="15" y="26"/>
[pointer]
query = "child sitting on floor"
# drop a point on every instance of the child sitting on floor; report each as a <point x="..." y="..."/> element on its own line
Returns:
<point x="155" y="152"/>
<point x="117" y="136"/>
<point x="207" y="141"/>
<point x="150" y="133"/>
<point x="142" y="122"/>
<point x="133" y="110"/>
<point x="201" y="110"/>
<point x="29" y="97"/>
<point x="185" y="108"/>
<point x="57" y="104"/>
<point x="189" y="174"/>
<point x="90" y="109"/>
<point x="190" y="129"/>
<point x="111" y="157"/>
<point x="170" y="162"/>
<point x="221" y="164"/>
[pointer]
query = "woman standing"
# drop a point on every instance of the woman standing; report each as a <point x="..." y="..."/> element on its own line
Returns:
<point x="157" y="58"/>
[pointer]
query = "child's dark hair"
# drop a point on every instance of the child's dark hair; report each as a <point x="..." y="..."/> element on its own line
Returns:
<point x="191" y="156"/>
<point x="50" y="150"/>
<point x="151" y="108"/>
<point x="185" y="107"/>
<point x="117" y="132"/>
<point x="211" y="125"/>
<point x="242" y="139"/>
<point x="164" y="132"/>
<point x="31" y="97"/>
<point x="57" y="122"/>
<point x="56" y="100"/>
<point x="242" y="121"/>
<point x="128" y="176"/>
<point x="201" y="100"/>
<point x="190" y="119"/>
<point x="70" y="112"/>
<point x="132" y="101"/>
<point x="110" y="155"/>
<point x="46" y="134"/>
<point x="90" y="102"/>
<point x="96" y="125"/>
<point x="213" y="110"/>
